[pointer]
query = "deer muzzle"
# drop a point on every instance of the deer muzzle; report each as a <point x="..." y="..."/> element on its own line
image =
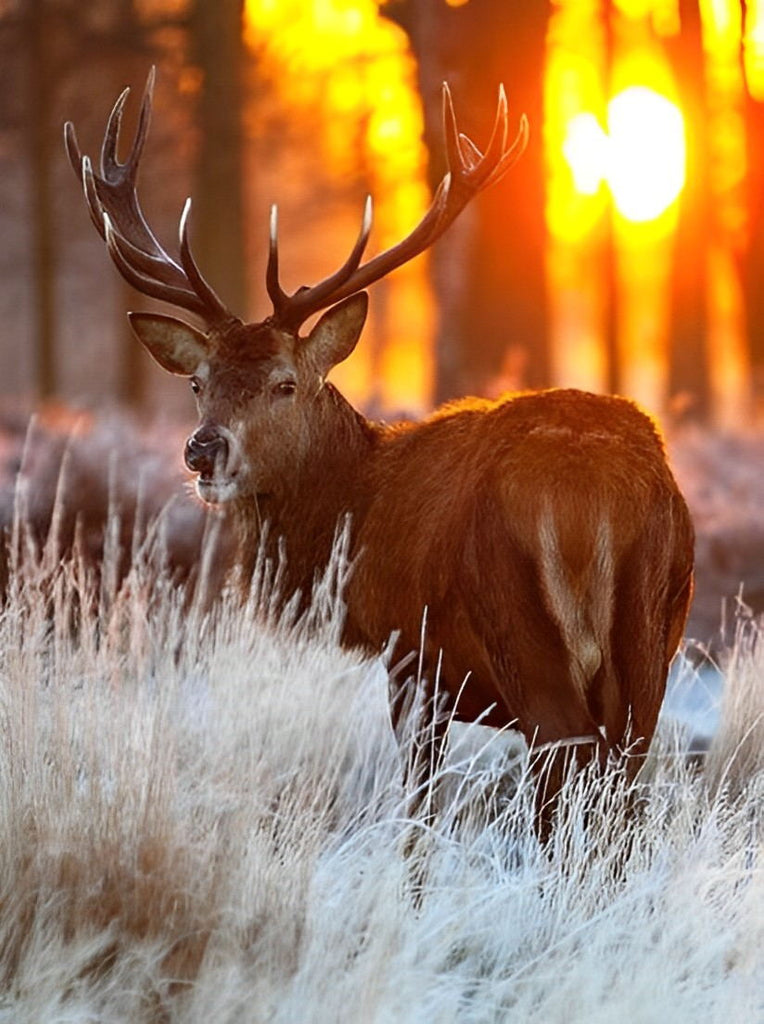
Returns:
<point x="206" y="451"/>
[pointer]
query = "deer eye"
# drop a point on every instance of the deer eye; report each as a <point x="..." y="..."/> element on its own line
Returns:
<point x="285" y="387"/>
<point x="196" y="387"/>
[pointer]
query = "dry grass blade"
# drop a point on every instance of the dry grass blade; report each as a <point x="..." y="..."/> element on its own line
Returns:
<point x="204" y="819"/>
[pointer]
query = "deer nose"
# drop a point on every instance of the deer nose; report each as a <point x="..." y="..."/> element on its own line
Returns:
<point x="205" y="450"/>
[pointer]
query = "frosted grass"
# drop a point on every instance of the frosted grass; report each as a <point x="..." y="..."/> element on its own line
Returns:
<point x="205" y="819"/>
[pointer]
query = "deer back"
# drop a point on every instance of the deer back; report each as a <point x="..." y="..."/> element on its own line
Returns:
<point x="535" y="531"/>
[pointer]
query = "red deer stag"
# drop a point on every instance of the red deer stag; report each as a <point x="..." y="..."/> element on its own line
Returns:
<point x="543" y="533"/>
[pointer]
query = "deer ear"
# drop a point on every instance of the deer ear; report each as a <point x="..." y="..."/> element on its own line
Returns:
<point x="337" y="332"/>
<point x="176" y="346"/>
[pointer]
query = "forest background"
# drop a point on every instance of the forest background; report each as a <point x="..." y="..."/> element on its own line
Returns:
<point x="622" y="253"/>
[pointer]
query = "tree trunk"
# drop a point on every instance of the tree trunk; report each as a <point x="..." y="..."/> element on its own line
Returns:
<point x="613" y="381"/>
<point x="489" y="269"/>
<point x="689" y="384"/>
<point x="218" y="226"/>
<point x="38" y="141"/>
<point x="752" y="271"/>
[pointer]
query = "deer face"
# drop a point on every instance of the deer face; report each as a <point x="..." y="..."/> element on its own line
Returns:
<point x="259" y="392"/>
<point x="260" y="387"/>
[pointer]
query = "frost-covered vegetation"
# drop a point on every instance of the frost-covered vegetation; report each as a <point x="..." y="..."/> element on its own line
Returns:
<point x="205" y="818"/>
<point x="113" y="461"/>
<point x="722" y="476"/>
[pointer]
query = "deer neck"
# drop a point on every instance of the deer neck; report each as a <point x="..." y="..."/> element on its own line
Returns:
<point x="328" y="489"/>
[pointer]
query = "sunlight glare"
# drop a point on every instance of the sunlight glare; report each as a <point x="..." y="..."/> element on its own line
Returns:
<point x="641" y="156"/>
<point x="647" y="153"/>
<point x="585" y="148"/>
<point x="345" y="74"/>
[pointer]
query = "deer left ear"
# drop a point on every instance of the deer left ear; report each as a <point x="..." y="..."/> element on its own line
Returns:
<point x="337" y="332"/>
<point x="176" y="346"/>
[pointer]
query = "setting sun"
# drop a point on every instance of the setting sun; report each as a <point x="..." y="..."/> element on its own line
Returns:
<point x="641" y="156"/>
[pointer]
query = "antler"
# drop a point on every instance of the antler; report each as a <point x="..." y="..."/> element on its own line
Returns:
<point x="114" y="208"/>
<point x="469" y="171"/>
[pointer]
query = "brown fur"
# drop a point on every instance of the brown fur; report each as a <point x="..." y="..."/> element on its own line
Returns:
<point x="544" y="534"/>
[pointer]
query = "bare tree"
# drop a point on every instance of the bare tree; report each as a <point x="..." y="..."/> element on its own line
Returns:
<point x="490" y="272"/>
<point x="752" y="268"/>
<point x="38" y="143"/>
<point x="219" y="217"/>
<point x="689" y="357"/>
<point x="54" y="43"/>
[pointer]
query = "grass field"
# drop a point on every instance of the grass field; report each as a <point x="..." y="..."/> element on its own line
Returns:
<point x="204" y="819"/>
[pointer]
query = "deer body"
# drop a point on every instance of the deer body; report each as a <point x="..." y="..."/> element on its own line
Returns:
<point x="543" y="534"/>
<point x="534" y="530"/>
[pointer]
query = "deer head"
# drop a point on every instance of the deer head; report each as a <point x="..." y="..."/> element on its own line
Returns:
<point x="261" y="387"/>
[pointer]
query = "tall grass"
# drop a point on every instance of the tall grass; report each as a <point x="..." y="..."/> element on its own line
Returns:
<point x="204" y="818"/>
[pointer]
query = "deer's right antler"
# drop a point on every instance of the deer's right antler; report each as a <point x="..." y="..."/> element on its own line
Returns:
<point x="469" y="172"/>
<point x="113" y="203"/>
<point x="114" y="208"/>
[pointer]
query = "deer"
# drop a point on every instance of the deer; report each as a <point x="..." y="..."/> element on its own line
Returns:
<point x="542" y="533"/>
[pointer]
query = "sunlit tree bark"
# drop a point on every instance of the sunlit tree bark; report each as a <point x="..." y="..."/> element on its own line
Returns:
<point x="752" y="270"/>
<point x="219" y="215"/>
<point x="38" y="138"/>
<point x="689" y="356"/>
<point x="63" y="40"/>
<point x="609" y="267"/>
<point x="489" y="269"/>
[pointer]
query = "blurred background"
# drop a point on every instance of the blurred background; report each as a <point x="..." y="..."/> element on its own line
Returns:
<point x="623" y="252"/>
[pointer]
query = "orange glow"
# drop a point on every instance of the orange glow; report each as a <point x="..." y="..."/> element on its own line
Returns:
<point x="753" y="43"/>
<point x="663" y="14"/>
<point x="646" y="170"/>
<point x="613" y="273"/>
<point x="641" y="157"/>
<point x="614" y="139"/>
<point x="339" y="86"/>
<point x="340" y="63"/>
<point x="343" y="80"/>
<point x="722" y="30"/>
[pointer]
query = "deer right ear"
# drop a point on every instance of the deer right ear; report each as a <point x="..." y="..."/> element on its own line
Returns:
<point x="176" y="346"/>
<point x="336" y="334"/>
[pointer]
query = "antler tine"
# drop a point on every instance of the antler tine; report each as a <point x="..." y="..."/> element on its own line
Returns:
<point x="276" y="293"/>
<point x="202" y="288"/>
<point x="497" y="144"/>
<point x="83" y="168"/>
<point x="469" y="171"/>
<point x="148" y="264"/>
<point x="454" y="155"/>
<point x="472" y="162"/>
<point x="121" y="252"/>
<point x="111" y="168"/>
<point x="151" y="259"/>
<point x="142" y="131"/>
<point x="73" y="150"/>
<point x="145" y="263"/>
<point x="513" y="154"/>
<point x="298" y="307"/>
<point x="95" y="207"/>
<point x="113" y="203"/>
<point x="116" y="185"/>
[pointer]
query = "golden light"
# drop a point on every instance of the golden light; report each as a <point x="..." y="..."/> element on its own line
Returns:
<point x="611" y="279"/>
<point x="641" y="157"/>
<point x="647" y="153"/>
<point x="343" y="78"/>
<point x="586" y="150"/>
<point x="753" y="48"/>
